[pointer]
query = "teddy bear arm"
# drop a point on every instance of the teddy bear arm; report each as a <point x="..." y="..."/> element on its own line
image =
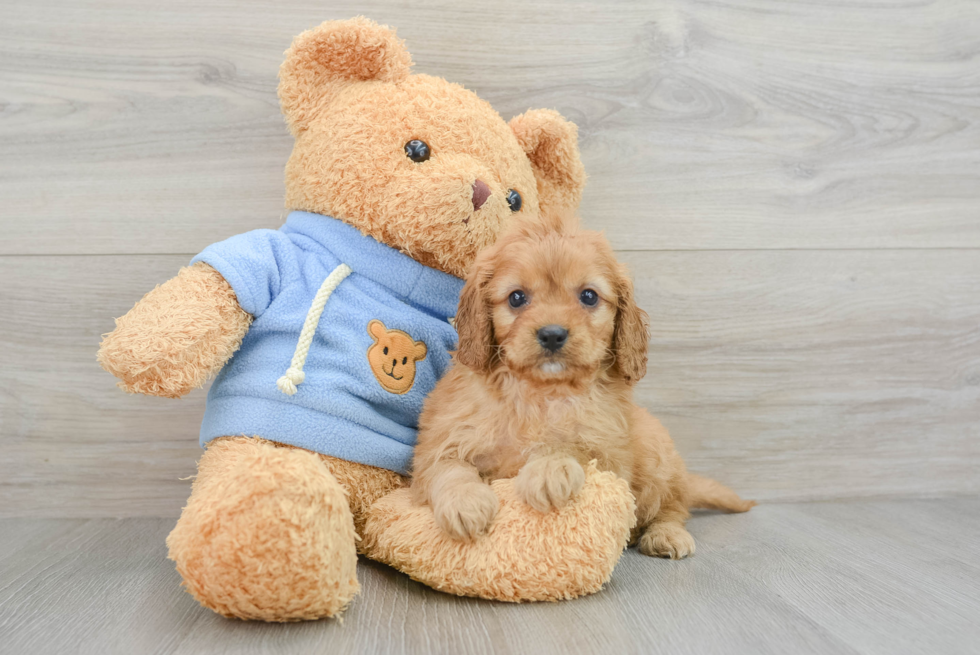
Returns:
<point x="177" y="336"/>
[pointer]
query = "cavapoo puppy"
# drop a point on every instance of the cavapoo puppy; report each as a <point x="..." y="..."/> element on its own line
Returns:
<point x="550" y="344"/>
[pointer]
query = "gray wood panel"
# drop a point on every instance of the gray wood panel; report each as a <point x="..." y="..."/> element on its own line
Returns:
<point x="789" y="375"/>
<point x="793" y="183"/>
<point x="818" y="374"/>
<point x="149" y="127"/>
<point x="812" y="578"/>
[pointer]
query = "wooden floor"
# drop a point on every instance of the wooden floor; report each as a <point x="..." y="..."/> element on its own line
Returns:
<point x="793" y="183"/>
<point x="885" y="577"/>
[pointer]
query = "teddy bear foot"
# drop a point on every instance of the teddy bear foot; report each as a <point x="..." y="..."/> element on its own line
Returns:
<point x="267" y="534"/>
<point x="525" y="556"/>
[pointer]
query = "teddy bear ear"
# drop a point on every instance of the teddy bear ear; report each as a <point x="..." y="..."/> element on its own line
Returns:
<point x="376" y="329"/>
<point x="551" y="143"/>
<point x="324" y="60"/>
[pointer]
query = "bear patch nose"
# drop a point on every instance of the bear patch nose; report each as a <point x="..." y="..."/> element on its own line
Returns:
<point x="480" y="194"/>
<point x="552" y="337"/>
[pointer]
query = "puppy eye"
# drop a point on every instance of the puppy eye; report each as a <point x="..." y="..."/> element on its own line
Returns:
<point x="514" y="201"/>
<point x="386" y="350"/>
<point x="589" y="297"/>
<point x="417" y="151"/>
<point x="404" y="360"/>
<point x="517" y="299"/>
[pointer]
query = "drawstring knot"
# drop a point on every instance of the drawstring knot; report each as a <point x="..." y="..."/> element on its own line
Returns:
<point x="294" y="375"/>
<point x="287" y="383"/>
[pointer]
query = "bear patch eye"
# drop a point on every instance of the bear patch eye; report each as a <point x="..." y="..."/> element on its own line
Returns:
<point x="386" y="350"/>
<point x="514" y="200"/>
<point x="589" y="297"/>
<point x="517" y="299"/>
<point x="404" y="360"/>
<point x="417" y="151"/>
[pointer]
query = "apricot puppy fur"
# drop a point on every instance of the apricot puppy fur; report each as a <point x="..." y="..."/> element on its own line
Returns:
<point x="551" y="342"/>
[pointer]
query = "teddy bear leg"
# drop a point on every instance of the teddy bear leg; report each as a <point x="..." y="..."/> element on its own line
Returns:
<point x="364" y="485"/>
<point x="267" y="534"/>
<point x="526" y="555"/>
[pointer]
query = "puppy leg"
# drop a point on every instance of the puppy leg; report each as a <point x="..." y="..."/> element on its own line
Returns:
<point x="547" y="481"/>
<point x="463" y="504"/>
<point x="660" y="485"/>
<point x="666" y="536"/>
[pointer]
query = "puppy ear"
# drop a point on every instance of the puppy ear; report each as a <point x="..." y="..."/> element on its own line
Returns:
<point x="473" y="322"/>
<point x="324" y="60"/>
<point x="551" y="143"/>
<point x="632" y="334"/>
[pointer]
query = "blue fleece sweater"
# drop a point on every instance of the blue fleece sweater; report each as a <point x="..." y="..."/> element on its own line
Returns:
<point x="341" y="408"/>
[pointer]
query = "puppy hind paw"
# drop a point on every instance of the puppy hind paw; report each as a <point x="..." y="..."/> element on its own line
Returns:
<point x="548" y="482"/>
<point x="667" y="540"/>
<point x="466" y="511"/>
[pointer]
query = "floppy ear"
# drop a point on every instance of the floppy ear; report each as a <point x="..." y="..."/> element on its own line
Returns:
<point x="376" y="329"/>
<point x="421" y="350"/>
<point x="632" y="334"/>
<point x="473" y="322"/>
<point x="322" y="61"/>
<point x="551" y="143"/>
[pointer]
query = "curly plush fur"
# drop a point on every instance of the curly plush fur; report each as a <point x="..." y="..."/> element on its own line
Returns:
<point x="349" y="159"/>
<point x="269" y="532"/>
<point x="526" y="556"/>
<point x="266" y="534"/>
<point x="177" y="336"/>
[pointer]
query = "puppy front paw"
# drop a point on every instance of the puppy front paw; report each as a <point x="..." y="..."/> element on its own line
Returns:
<point x="465" y="511"/>
<point x="670" y="540"/>
<point x="547" y="482"/>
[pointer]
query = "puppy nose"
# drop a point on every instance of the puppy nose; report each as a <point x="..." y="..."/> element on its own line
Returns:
<point x="480" y="194"/>
<point x="552" y="337"/>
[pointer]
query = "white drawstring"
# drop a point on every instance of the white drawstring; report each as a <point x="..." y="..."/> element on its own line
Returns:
<point x="294" y="375"/>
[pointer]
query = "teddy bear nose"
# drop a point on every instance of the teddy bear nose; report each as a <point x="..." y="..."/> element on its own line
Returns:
<point x="480" y="194"/>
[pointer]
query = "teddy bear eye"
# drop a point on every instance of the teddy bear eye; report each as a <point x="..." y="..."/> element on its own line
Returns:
<point x="417" y="151"/>
<point x="514" y="200"/>
<point x="589" y="297"/>
<point x="517" y="299"/>
<point x="386" y="350"/>
<point x="404" y="360"/>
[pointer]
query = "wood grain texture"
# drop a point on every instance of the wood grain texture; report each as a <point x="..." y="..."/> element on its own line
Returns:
<point x="789" y="375"/>
<point x="794" y="185"/>
<point x="141" y="127"/>
<point x="814" y="578"/>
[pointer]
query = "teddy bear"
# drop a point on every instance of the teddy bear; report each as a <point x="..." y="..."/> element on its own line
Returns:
<point x="326" y="335"/>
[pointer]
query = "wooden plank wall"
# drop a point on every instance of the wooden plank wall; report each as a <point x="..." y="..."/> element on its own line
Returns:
<point x="795" y="185"/>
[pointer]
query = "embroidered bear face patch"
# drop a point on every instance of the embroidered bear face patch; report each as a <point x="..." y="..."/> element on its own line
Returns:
<point x="392" y="357"/>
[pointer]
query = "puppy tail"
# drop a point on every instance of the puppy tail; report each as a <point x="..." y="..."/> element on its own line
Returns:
<point x="710" y="494"/>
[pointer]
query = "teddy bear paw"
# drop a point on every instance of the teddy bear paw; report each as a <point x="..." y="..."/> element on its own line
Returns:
<point x="267" y="534"/>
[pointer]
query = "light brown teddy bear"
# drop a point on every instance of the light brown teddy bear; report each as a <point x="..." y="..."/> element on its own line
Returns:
<point x="339" y="323"/>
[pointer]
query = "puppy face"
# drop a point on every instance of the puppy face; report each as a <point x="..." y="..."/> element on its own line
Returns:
<point x="552" y="306"/>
